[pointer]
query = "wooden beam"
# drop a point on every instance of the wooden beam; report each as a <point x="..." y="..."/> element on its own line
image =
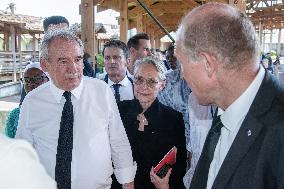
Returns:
<point x="13" y="48"/>
<point x="6" y="40"/>
<point x="240" y="4"/>
<point x="157" y="42"/>
<point x="123" y="20"/>
<point x="87" y="25"/>
<point x="159" y="8"/>
<point x="191" y="3"/>
<point x="152" y="40"/>
<point x="168" y="17"/>
<point x="139" y="23"/>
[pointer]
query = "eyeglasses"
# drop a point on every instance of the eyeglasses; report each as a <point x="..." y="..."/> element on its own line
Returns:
<point x="151" y="83"/>
<point x="34" y="80"/>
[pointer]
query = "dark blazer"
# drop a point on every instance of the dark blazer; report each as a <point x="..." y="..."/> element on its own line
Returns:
<point x="88" y="70"/>
<point x="165" y="129"/>
<point x="256" y="157"/>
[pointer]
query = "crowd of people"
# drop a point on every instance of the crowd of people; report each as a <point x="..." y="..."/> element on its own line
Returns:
<point x="222" y="111"/>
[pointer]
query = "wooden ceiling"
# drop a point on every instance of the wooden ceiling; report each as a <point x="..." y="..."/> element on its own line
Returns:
<point x="268" y="14"/>
<point x="170" y="12"/>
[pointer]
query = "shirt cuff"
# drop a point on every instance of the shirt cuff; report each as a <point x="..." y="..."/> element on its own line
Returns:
<point x="126" y="175"/>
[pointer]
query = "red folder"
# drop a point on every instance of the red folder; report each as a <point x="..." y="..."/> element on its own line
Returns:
<point x="165" y="164"/>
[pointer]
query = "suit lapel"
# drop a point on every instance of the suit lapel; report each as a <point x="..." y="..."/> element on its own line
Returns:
<point x="250" y="129"/>
<point x="246" y="136"/>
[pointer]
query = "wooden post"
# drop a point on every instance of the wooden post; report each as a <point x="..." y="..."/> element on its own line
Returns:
<point x="139" y="23"/>
<point x="13" y="46"/>
<point x="240" y="4"/>
<point x="279" y="42"/>
<point x="263" y="42"/>
<point x="6" y="41"/>
<point x="34" y="48"/>
<point x="123" y="20"/>
<point x="260" y="35"/>
<point x="19" y="49"/>
<point x="87" y="25"/>
<point x="157" y="43"/>
<point x="270" y="41"/>
<point x="152" y="40"/>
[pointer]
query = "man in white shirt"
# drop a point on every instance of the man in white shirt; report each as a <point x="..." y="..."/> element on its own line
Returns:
<point x="20" y="166"/>
<point x="116" y="58"/>
<point x="218" y="50"/>
<point x="99" y="138"/>
<point x="139" y="47"/>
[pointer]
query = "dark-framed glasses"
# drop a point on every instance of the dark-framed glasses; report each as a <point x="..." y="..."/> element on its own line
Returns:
<point x="150" y="82"/>
<point x="34" y="80"/>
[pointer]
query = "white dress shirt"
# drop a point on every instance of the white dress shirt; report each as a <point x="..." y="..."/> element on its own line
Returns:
<point x="232" y="119"/>
<point x="99" y="137"/>
<point x="20" y="166"/>
<point x="129" y="74"/>
<point x="125" y="90"/>
<point x="200" y="121"/>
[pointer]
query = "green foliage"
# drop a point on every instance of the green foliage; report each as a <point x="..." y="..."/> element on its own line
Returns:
<point x="100" y="61"/>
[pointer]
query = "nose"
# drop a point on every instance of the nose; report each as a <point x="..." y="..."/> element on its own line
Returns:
<point x="72" y="66"/>
<point x="149" y="53"/>
<point x="144" y="85"/>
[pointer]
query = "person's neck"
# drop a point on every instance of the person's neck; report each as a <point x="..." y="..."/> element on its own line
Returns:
<point x="145" y="105"/>
<point x="234" y="84"/>
<point x="116" y="78"/>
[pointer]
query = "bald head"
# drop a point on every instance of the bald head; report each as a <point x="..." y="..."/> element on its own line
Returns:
<point x="220" y="30"/>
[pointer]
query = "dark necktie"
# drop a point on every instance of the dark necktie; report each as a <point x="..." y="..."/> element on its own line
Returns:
<point x="200" y="177"/>
<point x="65" y="145"/>
<point x="116" y="92"/>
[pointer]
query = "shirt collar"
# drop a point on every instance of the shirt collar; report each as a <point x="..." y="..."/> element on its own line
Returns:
<point x="57" y="93"/>
<point x="123" y="82"/>
<point x="237" y="111"/>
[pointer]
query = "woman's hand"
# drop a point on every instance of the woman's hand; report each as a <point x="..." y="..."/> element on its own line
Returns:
<point x="160" y="183"/>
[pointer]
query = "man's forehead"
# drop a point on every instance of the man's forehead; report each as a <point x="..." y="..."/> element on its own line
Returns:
<point x="113" y="50"/>
<point x="144" y="42"/>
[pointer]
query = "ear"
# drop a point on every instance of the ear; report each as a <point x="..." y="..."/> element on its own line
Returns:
<point x="128" y="62"/>
<point x="43" y="64"/>
<point x="132" y="51"/>
<point x="163" y="85"/>
<point x="210" y="63"/>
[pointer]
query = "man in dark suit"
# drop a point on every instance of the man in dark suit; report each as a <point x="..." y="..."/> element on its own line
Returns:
<point x="218" y="50"/>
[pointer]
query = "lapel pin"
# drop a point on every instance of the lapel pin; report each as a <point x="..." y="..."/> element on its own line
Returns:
<point x="249" y="132"/>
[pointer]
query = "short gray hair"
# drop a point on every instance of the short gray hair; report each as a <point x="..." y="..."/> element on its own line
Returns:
<point x="51" y="35"/>
<point x="151" y="60"/>
<point x="221" y="30"/>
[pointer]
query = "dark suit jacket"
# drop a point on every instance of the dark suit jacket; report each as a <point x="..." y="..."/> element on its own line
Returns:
<point x="88" y="70"/>
<point x="165" y="130"/>
<point x="256" y="157"/>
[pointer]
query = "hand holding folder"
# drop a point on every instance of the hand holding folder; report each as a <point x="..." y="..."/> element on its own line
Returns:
<point x="165" y="164"/>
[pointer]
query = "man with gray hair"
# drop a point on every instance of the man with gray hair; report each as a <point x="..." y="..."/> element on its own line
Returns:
<point x="73" y="121"/>
<point x="218" y="50"/>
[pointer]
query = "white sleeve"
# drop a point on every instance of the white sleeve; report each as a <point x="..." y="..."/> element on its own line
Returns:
<point x="20" y="168"/>
<point x="124" y="167"/>
<point x="23" y="131"/>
